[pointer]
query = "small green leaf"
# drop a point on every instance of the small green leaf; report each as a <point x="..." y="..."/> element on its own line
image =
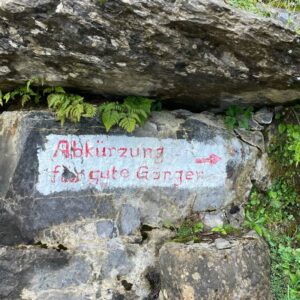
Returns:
<point x="48" y="90"/>
<point x="6" y="97"/>
<point x="198" y="227"/>
<point x="59" y="89"/>
<point x="25" y="98"/>
<point x="281" y="128"/>
<point x="258" y="229"/>
<point x="244" y="123"/>
<point x="230" y="122"/>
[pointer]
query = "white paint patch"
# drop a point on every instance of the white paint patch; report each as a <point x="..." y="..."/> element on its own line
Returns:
<point x="73" y="163"/>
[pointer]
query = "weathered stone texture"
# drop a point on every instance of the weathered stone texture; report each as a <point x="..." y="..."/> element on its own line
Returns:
<point x="193" y="52"/>
<point x="29" y="210"/>
<point x="103" y="242"/>
<point x="234" y="269"/>
<point x="19" y="267"/>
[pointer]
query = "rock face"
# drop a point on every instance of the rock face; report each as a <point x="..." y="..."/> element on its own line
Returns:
<point x="204" y="271"/>
<point x="19" y="266"/>
<point x="97" y="201"/>
<point x="172" y="167"/>
<point x="193" y="52"/>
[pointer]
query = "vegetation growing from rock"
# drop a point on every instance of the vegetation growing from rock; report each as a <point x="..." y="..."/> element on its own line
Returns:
<point x="237" y="116"/>
<point x="275" y="213"/>
<point x="189" y="230"/>
<point x="67" y="106"/>
<point x="263" y="6"/>
<point x="193" y="230"/>
<point x="266" y="7"/>
<point x="133" y="111"/>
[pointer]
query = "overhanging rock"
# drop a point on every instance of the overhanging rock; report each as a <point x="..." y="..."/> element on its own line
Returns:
<point x="192" y="52"/>
<point x="176" y="165"/>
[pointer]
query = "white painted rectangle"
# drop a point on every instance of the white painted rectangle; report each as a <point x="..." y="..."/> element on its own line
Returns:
<point x="74" y="163"/>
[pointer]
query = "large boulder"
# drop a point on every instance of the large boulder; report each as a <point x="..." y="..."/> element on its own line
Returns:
<point x="225" y="269"/>
<point x="190" y="51"/>
<point x="178" y="164"/>
<point x="97" y="201"/>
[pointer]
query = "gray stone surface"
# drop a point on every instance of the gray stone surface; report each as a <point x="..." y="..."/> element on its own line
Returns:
<point x="221" y="244"/>
<point x="254" y="125"/>
<point x="29" y="211"/>
<point x="193" y="52"/>
<point x="106" y="229"/>
<point x="201" y="271"/>
<point x="264" y="116"/>
<point x="129" y="219"/>
<point x="19" y="265"/>
<point x="213" y="219"/>
<point x="117" y="260"/>
<point x="254" y="138"/>
<point x="76" y="273"/>
<point x="103" y="243"/>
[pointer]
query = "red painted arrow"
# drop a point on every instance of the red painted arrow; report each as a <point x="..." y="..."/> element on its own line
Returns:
<point x="212" y="159"/>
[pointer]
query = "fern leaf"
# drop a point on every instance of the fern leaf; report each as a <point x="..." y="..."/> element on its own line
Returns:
<point x="136" y="117"/>
<point x="108" y="106"/>
<point x="101" y="108"/>
<point x="139" y="103"/>
<point x="138" y="111"/>
<point x="110" y="118"/>
<point x="59" y="89"/>
<point x="25" y="98"/>
<point x="128" y="124"/>
<point x="76" y="99"/>
<point x="15" y="93"/>
<point x="77" y="112"/>
<point x="48" y="90"/>
<point x="67" y="110"/>
<point x="62" y="121"/>
<point x="90" y="110"/>
<point x="66" y="102"/>
<point x="28" y="85"/>
<point x="144" y="113"/>
<point x="55" y="100"/>
<point x="7" y="97"/>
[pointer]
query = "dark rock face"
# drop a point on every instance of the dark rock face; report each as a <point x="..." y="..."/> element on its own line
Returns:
<point x="193" y="52"/>
<point x="204" y="271"/>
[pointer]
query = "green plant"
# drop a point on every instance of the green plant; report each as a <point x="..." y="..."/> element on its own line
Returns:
<point x="237" y="116"/>
<point x="266" y="8"/>
<point x="69" y="106"/>
<point x="249" y="5"/>
<point x="273" y="215"/>
<point x="292" y="145"/>
<point x="263" y="7"/>
<point x="277" y="211"/>
<point x="225" y="229"/>
<point x="133" y="111"/>
<point x="188" y="231"/>
<point x="25" y="93"/>
<point x="290" y="264"/>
